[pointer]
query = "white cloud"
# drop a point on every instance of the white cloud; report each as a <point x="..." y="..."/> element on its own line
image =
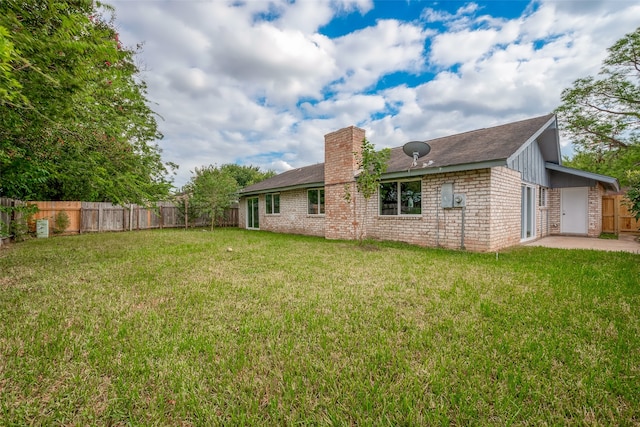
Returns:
<point x="255" y="82"/>
<point x="349" y="109"/>
<point x="458" y="19"/>
<point x="453" y="48"/>
<point x="308" y="16"/>
<point x="502" y="72"/>
<point x="366" y="55"/>
<point x="281" y="166"/>
<point x="281" y="64"/>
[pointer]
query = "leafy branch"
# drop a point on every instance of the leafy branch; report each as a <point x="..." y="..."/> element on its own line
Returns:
<point x="372" y="164"/>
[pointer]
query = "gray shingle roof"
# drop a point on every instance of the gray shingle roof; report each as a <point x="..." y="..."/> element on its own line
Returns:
<point x="304" y="176"/>
<point x="482" y="145"/>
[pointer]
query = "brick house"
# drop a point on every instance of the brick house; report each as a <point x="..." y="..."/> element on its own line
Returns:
<point x="482" y="190"/>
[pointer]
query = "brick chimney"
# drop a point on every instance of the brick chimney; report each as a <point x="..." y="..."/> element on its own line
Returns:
<point x="340" y="167"/>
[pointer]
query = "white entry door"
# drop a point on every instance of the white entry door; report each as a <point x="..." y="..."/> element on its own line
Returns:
<point x="573" y="210"/>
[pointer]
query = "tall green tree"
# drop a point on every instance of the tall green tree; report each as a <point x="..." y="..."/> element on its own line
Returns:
<point x="9" y="86"/>
<point x="603" y="112"/>
<point x="601" y="115"/>
<point x="247" y="175"/>
<point x="74" y="122"/>
<point x="210" y="191"/>
<point x="633" y="195"/>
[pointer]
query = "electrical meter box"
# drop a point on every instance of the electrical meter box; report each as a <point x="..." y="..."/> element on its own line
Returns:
<point x="447" y="195"/>
<point x="459" y="200"/>
<point x="42" y="228"/>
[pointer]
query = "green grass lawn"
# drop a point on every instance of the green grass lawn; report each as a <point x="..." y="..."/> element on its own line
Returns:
<point x="168" y="327"/>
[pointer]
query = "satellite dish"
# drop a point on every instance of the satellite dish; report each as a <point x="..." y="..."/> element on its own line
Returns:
<point x="416" y="149"/>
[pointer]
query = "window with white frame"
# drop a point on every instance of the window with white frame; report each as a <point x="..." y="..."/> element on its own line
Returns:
<point x="272" y="202"/>
<point x="543" y="197"/>
<point x="401" y="198"/>
<point x="315" y="201"/>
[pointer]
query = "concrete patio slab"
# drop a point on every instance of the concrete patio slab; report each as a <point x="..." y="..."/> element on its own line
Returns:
<point x="624" y="243"/>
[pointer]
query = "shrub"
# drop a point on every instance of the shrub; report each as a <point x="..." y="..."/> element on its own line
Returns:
<point x="633" y="194"/>
<point x="60" y="223"/>
<point x="19" y="216"/>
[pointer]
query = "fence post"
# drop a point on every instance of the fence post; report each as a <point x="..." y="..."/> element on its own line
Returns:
<point x="186" y="215"/>
<point x="616" y="214"/>
<point x="99" y="217"/>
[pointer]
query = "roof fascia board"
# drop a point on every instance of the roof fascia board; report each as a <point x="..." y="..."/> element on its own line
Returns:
<point x="279" y="189"/>
<point x="613" y="182"/>
<point x="402" y="174"/>
<point x="444" y="169"/>
<point x="533" y="137"/>
<point x="559" y="151"/>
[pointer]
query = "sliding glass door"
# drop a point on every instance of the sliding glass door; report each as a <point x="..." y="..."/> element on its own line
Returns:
<point x="528" y="213"/>
<point x="253" y="217"/>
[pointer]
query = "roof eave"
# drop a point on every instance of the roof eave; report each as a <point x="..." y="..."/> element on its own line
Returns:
<point x="279" y="189"/>
<point x="431" y="170"/>
<point x="610" y="182"/>
<point x="551" y="121"/>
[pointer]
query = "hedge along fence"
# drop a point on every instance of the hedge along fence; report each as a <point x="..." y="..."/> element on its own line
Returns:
<point x="97" y="217"/>
<point x="8" y="215"/>
<point x="14" y="215"/>
<point x="5" y="215"/>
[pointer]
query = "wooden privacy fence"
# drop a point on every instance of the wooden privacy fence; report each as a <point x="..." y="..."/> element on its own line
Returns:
<point x="109" y="217"/>
<point x="96" y="217"/>
<point x="616" y="217"/>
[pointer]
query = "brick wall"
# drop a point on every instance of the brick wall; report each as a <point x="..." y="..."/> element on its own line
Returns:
<point x="448" y="228"/>
<point x="491" y="217"/>
<point x="554" y="210"/>
<point x="486" y="194"/>
<point x="594" y="211"/>
<point x="543" y="215"/>
<point x="242" y="213"/>
<point x="293" y="217"/>
<point x="505" y="208"/>
<point x="342" y="149"/>
<point x="594" y="207"/>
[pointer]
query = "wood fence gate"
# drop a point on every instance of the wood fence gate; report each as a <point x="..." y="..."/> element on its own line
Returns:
<point x="616" y="217"/>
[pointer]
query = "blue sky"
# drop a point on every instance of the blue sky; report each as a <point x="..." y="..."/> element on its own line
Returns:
<point x="261" y="82"/>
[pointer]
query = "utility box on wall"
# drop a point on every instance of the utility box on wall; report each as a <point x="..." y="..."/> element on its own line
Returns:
<point x="447" y="195"/>
<point x="459" y="200"/>
<point x="42" y="228"/>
